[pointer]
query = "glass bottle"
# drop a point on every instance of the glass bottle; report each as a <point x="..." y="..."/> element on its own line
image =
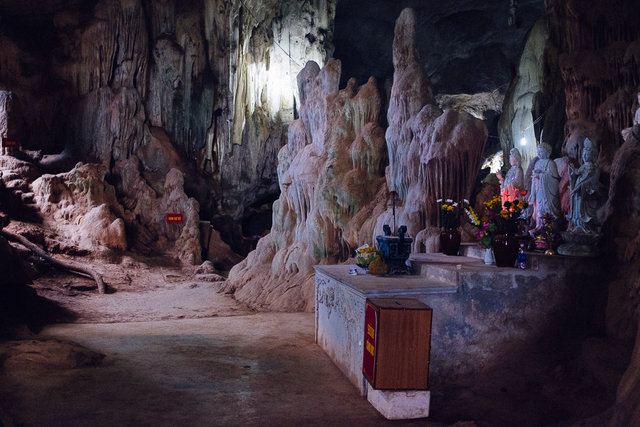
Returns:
<point x="522" y="257"/>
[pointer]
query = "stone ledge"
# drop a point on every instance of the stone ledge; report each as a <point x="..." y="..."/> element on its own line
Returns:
<point x="371" y="286"/>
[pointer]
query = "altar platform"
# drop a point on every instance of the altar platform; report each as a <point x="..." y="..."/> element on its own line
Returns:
<point x="482" y="314"/>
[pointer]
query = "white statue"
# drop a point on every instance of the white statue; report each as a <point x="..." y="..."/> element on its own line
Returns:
<point x="584" y="185"/>
<point x="512" y="185"/>
<point x="544" y="194"/>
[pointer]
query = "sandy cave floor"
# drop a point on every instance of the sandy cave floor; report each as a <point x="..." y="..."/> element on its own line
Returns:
<point x="177" y="350"/>
<point x="167" y="346"/>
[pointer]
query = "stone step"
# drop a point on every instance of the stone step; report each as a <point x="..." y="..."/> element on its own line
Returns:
<point x="439" y="267"/>
<point x="455" y="270"/>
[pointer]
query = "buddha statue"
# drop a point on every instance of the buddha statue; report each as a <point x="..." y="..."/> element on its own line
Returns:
<point x="544" y="194"/>
<point x="512" y="185"/>
<point x="584" y="186"/>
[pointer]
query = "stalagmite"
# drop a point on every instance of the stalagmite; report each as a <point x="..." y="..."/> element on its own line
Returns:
<point x="330" y="169"/>
<point x="432" y="154"/>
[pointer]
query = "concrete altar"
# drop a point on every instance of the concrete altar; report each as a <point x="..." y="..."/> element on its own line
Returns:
<point x="481" y="314"/>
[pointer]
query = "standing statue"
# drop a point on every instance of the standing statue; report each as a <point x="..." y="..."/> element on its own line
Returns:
<point x="584" y="185"/>
<point x="582" y="237"/>
<point x="512" y="185"/>
<point x="544" y="194"/>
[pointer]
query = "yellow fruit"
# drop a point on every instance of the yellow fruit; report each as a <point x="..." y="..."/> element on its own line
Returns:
<point x="378" y="267"/>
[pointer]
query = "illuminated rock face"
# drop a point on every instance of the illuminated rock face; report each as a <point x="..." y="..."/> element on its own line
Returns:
<point x="330" y="173"/>
<point x="432" y="154"/>
<point x="334" y="192"/>
<point x="216" y="79"/>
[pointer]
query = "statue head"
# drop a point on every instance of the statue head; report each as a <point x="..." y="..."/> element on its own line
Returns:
<point x="514" y="156"/>
<point x="589" y="151"/>
<point x="544" y="150"/>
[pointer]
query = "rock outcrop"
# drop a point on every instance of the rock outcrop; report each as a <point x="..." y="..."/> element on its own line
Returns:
<point x="335" y="194"/>
<point x="211" y="83"/>
<point x="432" y="154"/>
<point x="330" y="170"/>
<point x="82" y="207"/>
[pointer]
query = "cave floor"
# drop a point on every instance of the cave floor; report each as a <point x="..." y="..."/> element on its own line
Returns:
<point x="179" y="350"/>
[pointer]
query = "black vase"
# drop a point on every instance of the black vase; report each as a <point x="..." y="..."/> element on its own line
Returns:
<point x="505" y="249"/>
<point x="450" y="241"/>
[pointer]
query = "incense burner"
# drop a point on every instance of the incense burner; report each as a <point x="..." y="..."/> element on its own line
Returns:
<point x="395" y="249"/>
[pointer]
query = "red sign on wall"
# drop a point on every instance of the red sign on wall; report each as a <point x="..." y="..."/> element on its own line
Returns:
<point x="369" y="353"/>
<point x="9" y="142"/>
<point x="173" y="218"/>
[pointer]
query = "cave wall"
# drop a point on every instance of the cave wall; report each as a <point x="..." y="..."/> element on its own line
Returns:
<point x="210" y="84"/>
<point x="590" y="78"/>
<point x="464" y="46"/>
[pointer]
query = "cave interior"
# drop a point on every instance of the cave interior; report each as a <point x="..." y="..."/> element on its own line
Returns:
<point x="167" y="161"/>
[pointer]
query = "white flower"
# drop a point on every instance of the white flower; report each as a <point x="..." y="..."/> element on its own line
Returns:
<point x="455" y="204"/>
<point x="449" y="201"/>
<point x="466" y="201"/>
<point x="439" y="200"/>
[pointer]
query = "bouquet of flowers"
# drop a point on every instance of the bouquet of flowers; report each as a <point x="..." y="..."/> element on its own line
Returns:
<point x="498" y="219"/>
<point x="365" y="254"/>
<point x="450" y="213"/>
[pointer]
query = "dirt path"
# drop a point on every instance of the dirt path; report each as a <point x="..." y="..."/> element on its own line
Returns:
<point x="143" y="289"/>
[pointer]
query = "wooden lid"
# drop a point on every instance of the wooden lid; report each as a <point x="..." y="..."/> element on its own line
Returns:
<point x="398" y="303"/>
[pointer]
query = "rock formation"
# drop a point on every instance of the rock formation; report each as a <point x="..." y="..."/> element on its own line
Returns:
<point x="330" y="173"/>
<point x="334" y="196"/>
<point x="432" y="154"/>
<point x="522" y="99"/>
<point x="211" y="81"/>
<point x="82" y="207"/>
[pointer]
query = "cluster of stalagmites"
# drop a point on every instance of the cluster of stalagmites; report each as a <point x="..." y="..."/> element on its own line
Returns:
<point x="335" y="192"/>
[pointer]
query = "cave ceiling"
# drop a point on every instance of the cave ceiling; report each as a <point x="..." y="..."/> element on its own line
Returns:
<point x="465" y="46"/>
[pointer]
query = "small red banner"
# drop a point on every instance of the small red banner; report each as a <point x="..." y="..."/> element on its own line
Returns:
<point x="174" y="218"/>
<point x="9" y="142"/>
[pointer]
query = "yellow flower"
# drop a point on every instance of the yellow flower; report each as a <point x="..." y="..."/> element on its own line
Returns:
<point x="504" y="214"/>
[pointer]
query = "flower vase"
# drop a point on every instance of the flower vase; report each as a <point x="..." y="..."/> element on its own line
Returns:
<point x="488" y="256"/>
<point x="450" y="241"/>
<point x="505" y="249"/>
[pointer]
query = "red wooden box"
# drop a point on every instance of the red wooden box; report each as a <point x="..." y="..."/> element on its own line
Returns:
<point x="397" y="341"/>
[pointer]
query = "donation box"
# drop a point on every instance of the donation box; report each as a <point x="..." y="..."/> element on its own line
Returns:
<point x="397" y="340"/>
